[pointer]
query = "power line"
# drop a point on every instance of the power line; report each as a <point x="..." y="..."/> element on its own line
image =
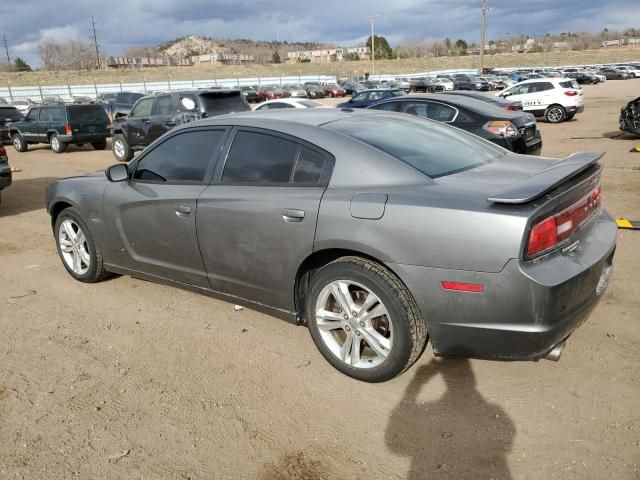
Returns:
<point x="95" y="41"/>
<point x="6" y="48"/>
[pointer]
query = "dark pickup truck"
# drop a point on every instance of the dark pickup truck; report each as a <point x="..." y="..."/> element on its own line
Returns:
<point x="154" y="115"/>
<point x="118" y="104"/>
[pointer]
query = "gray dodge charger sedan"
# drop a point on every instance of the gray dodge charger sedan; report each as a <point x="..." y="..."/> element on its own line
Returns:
<point x="377" y="230"/>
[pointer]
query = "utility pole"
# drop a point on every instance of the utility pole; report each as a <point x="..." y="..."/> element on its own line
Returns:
<point x="485" y="10"/>
<point x="95" y="41"/>
<point x="6" y="48"/>
<point x="372" y="19"/>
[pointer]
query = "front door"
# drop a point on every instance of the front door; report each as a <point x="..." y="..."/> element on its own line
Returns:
<point x="152" y="217"/>
<point x="256" y="222"/>
<point x="29" y="130"/>
<point x="139" y="122"/>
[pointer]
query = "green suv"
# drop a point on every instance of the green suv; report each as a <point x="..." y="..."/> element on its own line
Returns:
<point x="59" y="125"/>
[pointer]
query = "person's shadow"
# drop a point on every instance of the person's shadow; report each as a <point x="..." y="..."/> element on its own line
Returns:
<point x="458" y="436"/>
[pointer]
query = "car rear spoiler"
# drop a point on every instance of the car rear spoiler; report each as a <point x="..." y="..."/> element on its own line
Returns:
<point x="537" y="185"/>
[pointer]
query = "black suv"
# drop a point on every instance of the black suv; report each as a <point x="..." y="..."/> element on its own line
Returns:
<point x="118" y="104"/>
<point x="154" y="115"/>
<point x="59" y="125"/>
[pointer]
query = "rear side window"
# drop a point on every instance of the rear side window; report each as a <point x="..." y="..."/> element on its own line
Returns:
<point x="163" y="105"/>
<point x="432" y="148"/>
<point x="56" y="115"/>
<point x="44" y="113"/>
<point x="540" y="87"/>
<point x="259" y="158"/>
<point x="222" y="103"/>
<point x="309" y="167"/>
<point x="388" y="106"/>
<point x="87" y="114"/>
<point x="434" y="111"/>
<point x="182" y="158"/>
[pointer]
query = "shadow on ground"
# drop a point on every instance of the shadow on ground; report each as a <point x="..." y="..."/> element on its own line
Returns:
<point x="458" y="436"/>
<point x="24" y="195"/>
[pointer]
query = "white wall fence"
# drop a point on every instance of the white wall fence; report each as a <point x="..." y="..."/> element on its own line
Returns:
<point x="67" y="92"/>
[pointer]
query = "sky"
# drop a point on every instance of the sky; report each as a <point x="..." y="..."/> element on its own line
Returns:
<point x="121" y="24"/>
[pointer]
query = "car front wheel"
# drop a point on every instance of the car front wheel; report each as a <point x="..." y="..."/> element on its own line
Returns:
<point x="77" y="248"/>
<point x="19" y="143"/>
<point x="121" y="149"/>
<point x="555" y="114"/>
<point x="363" y="320"/>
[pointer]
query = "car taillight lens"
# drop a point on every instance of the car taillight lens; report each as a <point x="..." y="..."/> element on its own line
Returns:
<point x="67" y="129"/>
<point x="553" y="230"/>
<point x="571" y="93"/>
<point x="510" y="107"/>
<point x="501" y="128"/>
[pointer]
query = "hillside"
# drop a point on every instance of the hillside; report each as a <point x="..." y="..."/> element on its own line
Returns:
<point x="341" y="69"/>
<point x="262" y="50"/>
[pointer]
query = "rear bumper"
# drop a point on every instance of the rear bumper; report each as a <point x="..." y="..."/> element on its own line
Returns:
<point x="5" y="174"/>
<point x="525" y="310"/>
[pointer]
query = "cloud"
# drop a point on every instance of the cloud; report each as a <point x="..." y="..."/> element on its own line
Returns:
<point x="149" y="22"/>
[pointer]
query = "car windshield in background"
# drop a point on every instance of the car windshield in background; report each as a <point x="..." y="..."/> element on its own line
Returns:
<point x="570" y="84"/>
<point x="87" y="114"/>
<point x="434" y="149"/>
<point x="222" y="103"/>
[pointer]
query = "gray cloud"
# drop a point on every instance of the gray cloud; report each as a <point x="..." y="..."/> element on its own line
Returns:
<point x="149" y="22"/>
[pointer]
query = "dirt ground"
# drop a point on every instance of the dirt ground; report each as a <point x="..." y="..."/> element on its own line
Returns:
<point x="131" y="380"/>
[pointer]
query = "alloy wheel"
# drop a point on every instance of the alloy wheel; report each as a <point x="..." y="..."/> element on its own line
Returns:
<point x="55" y="143"/>
<point x="118" y="147"/>
<point x="73" y="246"/>
<point x="354" y="324"/>
<point x="555" y="115"/>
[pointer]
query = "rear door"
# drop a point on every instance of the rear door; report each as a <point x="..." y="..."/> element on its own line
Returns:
<point x="88" y="122"/>
<point x="257" y="220"/>
<point x="152" y="220"/>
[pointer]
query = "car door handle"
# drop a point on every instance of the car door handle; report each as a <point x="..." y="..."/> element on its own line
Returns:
<point x="292" y="215"/>
<point x="183" y="211"/>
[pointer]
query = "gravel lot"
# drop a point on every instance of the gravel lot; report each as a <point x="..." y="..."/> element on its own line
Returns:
<point x="129" y="379"/>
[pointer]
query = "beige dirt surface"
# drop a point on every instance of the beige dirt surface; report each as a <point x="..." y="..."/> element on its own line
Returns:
<point x="128" y="379"/>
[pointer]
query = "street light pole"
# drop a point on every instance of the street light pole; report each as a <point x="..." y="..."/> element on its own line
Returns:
<point x="485" y="9"/>
<point x="372" y="19"/>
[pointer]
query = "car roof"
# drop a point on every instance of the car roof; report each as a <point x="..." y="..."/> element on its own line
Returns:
<point x="547" y="79"/>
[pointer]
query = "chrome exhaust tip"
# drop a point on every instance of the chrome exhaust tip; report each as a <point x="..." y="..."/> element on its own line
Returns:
<point x="555" y="354"/>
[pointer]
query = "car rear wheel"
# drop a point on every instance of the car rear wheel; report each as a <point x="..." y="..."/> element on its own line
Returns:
<point x="555" y="114"/>
<point x="57" y="145"/>
<point x="77" y="249"/>
<point x="19" y="143"/>
<point x="363" y="320"/>
<point x="121" y="149"/>
<point x="100" y="144"/>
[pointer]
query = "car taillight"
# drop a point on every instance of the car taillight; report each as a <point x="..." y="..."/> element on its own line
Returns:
<point x="67" y="129"/>
<point x="3" y="152"/>
<point x="501" y="128"/>
<point x="571" y="93"/>
<point x="553" y="230"/>
<point x="510" y="107"/>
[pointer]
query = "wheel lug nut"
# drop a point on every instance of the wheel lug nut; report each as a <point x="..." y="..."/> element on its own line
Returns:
<point x="354" y="314"/>
<point x="362" y="324"/>
<point x="347" y="328"/>
<point x="358" y="332"/>
<point x="346" y="317"/>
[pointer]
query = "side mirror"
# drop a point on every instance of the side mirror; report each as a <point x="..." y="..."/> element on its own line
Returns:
<point x="117" y="173"/>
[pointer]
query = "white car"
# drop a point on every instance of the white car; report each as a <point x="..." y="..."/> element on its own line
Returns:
<point x="445" y="82"/>
<point x="22" y="105"/>
<point x="555" y="99"/>
<point x="289" y="103"/>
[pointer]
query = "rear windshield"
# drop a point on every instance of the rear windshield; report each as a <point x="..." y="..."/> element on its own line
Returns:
<point x="223" y="103"/>
<point x="10" y="112"/>
<point x="432" y="148"/>
<point x="87" y="114"/>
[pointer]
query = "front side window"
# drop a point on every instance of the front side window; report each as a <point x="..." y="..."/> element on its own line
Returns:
<point x="143" y="108"/>
<point x="44" y="113"/>
<point x="259" y="158"/>
<point x="361" y="97"/>
<point x="181" y="158"/>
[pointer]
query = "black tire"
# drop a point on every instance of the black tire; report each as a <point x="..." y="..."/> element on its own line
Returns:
<point x="555" y="114"/>
<point x="126" y="153"/>
<point x="96" y="271"/>
<point x="100" y="144"/>
<point x="408" y="326"/>
<point x="19" y="143"/>
<point x="569" y="116"/>
<point x="57" y="145"/>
